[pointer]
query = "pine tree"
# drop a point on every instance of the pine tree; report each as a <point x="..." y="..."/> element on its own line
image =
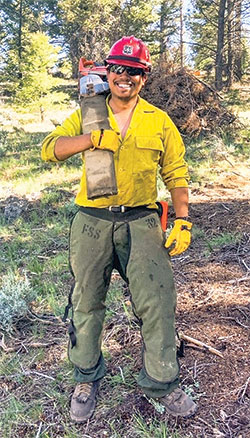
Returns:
<point x="218" y="37"/>
<point x="39" y="56"/>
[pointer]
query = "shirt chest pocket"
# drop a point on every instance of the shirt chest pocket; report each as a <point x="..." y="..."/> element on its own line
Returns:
<point x="147" y="154"/>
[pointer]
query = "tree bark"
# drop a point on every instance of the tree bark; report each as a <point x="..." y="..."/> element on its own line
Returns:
<point x="181" y="34"/>
<point x="220" y="46"/>
<point x="238" y="45"/>
<point x="230" y="42"/>
<point x="20" y="27"/>
<point x="162" y="28"/>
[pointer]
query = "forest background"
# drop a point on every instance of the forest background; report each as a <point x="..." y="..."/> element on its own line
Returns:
<point x="43" y="37"/>
<point x="201" y="69"/>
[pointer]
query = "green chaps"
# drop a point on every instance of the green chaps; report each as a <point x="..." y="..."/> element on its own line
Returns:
<point x="133" y="243"/>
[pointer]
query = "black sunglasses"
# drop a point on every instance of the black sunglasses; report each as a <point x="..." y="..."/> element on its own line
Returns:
<point x="119" y="69"/>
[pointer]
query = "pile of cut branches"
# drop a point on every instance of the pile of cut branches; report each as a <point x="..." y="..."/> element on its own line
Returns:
<point x="194" y="106"/>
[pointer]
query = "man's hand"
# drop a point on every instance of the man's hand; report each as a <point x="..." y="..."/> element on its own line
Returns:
<point x="105" y="139"/>
<point x="180" y="235"/>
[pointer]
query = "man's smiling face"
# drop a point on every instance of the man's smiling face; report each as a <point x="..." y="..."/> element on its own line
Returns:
<point x="123" y="86"/>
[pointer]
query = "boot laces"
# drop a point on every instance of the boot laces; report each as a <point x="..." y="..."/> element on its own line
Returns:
<point x="83" y="391"/>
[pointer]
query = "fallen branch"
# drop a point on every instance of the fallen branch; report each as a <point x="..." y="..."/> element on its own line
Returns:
<point x="26" y="373"/>
<point x="235" y="320"/>
<point x="20" y="345"/>
<point x="208" y="86"/>
<point x="239" y="280"/>
<point x="243" y="390"/>
<point x="39" y="430"/>
<point x="238" y="174"/>
<point x="47" y="319"/>
<point x="200" y="344"/>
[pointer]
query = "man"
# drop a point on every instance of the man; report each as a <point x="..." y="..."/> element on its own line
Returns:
<point x="123" y="231"/>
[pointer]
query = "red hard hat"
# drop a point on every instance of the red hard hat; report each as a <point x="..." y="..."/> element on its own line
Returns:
<point x="130" y="51"/>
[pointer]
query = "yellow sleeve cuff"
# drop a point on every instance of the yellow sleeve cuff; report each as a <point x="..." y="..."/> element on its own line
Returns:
<point x="180" y="182"/>
<point x="71" y="127"/>
<point x="48" y="149"/>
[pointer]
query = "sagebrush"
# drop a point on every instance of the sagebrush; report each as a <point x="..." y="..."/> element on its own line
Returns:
<point x="16" y="294"/>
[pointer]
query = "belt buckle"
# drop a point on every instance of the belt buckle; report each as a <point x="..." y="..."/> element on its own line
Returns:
<point x="122" y="208"/>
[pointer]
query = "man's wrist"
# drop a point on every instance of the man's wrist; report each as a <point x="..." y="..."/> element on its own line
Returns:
<point x="184" y="218"/>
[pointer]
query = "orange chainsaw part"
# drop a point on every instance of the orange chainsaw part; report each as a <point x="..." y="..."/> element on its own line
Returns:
<point x="84" y="62"/>
<point x="164" y="216"/>
<point x="90" y="67"/>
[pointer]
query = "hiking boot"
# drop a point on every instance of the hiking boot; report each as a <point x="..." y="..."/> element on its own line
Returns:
<point x="178" y="403"/>
<point x="83" y="401"/>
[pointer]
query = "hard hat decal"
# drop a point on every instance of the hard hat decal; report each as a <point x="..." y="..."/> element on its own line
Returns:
<point x="127" y="50"/>
<point x="130" y="51"/>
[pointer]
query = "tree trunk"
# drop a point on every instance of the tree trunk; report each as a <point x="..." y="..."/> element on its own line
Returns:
<point x="19" y="44"/>
<point x="238" y="45"/>
<point x="181" y="34"/>
<point x="220" y="46"/>
<point x="162" y="28"/>
<point x="230" y="42"/>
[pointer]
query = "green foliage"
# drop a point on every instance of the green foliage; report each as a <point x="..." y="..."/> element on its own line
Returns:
<point x="153" y="429"/>
<point x="191" y="390"/>
<point x="87" y="27"/>
<point x="206" y="64"/>
<point x="205" y="23"/>
<point x="157" y="405"/>
<point x="200" y="154"/>
<point x="16" y="294"/>
<point x="19" y="157"/>
<point x="205" y="155"/>
<point x="124" y="377"/>
<point x="65" y="69"/>
<point x="222" y="240"/>
<point x="90" y="28"/>
<point x="197" y="233"/>
<point x="70" y="208"/>
<point x="3" y="142"/>
<point x="54" y="98"/>
<point x="242" y="143"/>
<point x="137" y="18"/>
<point x="203" y="26"/>
<point x="245" y="56"/>
<point x="39" y="57"/>
<point x="233" y="97"/>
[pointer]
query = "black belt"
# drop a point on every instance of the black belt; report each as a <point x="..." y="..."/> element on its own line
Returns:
<point x="123" y="208"/>
<point x="116" y="213"/>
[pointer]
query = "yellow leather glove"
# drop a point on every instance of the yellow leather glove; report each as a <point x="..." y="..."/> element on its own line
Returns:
<point x="105" y="139"/>
<point x="180" y="235"/>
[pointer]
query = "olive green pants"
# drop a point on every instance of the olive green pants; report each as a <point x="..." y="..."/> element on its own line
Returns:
<point x="133" y="244"/>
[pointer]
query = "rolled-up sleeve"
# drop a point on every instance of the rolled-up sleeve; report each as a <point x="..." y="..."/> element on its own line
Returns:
<point x="174" y="169"/>
<point x="71" y="127"/>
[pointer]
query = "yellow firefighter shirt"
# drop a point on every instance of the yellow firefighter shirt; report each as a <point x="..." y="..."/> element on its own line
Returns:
<point x="151" y="140"/>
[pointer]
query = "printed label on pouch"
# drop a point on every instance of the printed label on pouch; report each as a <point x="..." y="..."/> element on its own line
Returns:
<point x="151" y="222"/>
<point x="91" y="231"/>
